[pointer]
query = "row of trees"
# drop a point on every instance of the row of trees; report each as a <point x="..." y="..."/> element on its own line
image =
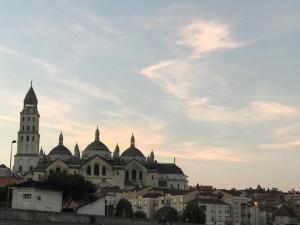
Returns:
<point x="192" y="213"/>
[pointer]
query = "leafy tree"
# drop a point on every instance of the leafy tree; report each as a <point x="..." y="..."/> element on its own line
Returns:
<point x="167" y="214"/>
<point x="124" y="208"/>
<point x="73" y="186"/>
<point x="140" y="214"/>
<point x="193" y="213"/>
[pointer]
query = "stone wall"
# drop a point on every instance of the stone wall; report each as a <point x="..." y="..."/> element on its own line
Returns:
<point x="25" y="217"/>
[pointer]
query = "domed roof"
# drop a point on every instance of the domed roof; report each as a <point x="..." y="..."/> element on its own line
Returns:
<point x="97" y="144"/>
<point x="30" y="98"/>
<point x="60" y="149"/>
<point x="132" y="150"/>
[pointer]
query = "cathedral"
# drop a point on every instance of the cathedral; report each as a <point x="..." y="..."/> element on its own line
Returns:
<point x="96" y="163"/>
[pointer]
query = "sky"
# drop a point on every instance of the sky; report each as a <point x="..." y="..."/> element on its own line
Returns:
<point x="214" y="84"/>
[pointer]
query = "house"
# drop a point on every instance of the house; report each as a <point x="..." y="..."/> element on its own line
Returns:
<point x="216" y="211"/>
<point x="285" y="215"/>
<point x="7" y="178"/>
<point x="36" y="195"/>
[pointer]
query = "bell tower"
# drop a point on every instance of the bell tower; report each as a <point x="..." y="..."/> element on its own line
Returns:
<point x="27" y="156"/>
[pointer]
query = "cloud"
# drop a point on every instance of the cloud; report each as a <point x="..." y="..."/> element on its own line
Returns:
<point x="10" y="51"/>
<point x="194" y="151"/>
<point x="290" y="145"/>
<point x="205" y="37"/>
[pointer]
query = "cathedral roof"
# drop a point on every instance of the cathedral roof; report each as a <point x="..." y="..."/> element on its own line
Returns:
<point x="168" y="168"/>
<point x="60" y="149"/>
<point x="30" y="98"/>
<point x="132" y="150"/>
<point x="97" y="144"/>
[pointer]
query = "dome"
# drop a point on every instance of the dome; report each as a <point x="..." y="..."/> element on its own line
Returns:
<point x="97" y="144"/>
<point x="132" y="151"/>
<point x="30" y="98"/>
<point x="60" y="150"/>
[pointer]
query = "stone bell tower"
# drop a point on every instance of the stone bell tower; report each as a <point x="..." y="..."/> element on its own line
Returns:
<point x="27" y="156"/>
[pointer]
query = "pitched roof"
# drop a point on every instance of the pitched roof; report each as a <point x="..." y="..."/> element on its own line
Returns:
<point x="36" y="184"/>
<point x="60" y="150"/>
<point x="169" y="168"/>
<point x="30" y="98"/>
<point x="285" y="211"/>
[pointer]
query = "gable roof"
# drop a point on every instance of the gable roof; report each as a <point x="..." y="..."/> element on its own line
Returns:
<point x="285" y="211"/>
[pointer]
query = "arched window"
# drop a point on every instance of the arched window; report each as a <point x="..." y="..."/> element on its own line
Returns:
<point x="32" y="138"/>
<point x="133" y="174"/>
<point x="27" y="138"/>
<point x="104" y="171"/>
<point x="20" y="168"/>
<point x="22" y="138"/>
<point x="88" y="170"/>
<point x="23" y="118"/>
<point x="33" y="128"/>
<point x="96" y="170"/>
<point x="28" y="128"/>
<point x="127" y="175"/>
<point x="140" y="175"/>
<point x="57" y="170"/>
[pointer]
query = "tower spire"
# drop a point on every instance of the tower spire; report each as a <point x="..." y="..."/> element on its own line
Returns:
<point x="61" y="139"/>
<point x="132" y="141"/>
<point x="97" y="134"/>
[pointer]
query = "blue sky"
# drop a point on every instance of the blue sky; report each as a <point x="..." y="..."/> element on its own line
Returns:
<point x="213" y="83"/>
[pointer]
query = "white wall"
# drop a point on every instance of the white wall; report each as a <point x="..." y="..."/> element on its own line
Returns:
<point x="37" y="199"/>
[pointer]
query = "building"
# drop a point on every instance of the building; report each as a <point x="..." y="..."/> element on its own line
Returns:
<point x="238" y="205"/>
<point x="285" y="215"/>
<point x="216" y="211"/>
<point x="36" y="195"/>
<point x="96" y="163"/>
<point x="7" y="177"/>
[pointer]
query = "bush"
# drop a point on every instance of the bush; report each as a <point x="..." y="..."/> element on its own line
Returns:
<point x="167" y="214"/>
<point x="140" y="214"/>
<point x="193" y="214"/>
<point x="124" y="208"/>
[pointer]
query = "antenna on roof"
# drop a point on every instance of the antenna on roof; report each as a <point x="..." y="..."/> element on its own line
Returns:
<point x="174" y="160"/>
<point x="30" y="83"/>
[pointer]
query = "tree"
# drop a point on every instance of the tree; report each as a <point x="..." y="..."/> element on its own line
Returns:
<point x="124" y="208"/>
<point x="140" y="214"/>
<point x="193" y="214"/>
<point x="167" y="214"/>
<point x="73" y="186"/>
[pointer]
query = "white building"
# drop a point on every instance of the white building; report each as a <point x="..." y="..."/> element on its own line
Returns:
<point x="35" y="195"/>
<point x="216" y="211"/>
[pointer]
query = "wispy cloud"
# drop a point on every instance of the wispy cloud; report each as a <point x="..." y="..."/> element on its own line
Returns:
<point x="204" y="37"/>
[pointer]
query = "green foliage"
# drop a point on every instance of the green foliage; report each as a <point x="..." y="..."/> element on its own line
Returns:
<point x="124" y="208"/>
<point x="73" y="186"/>
<point x="193" y="213"/>
<point x="140" y="214"/>
<point x="167" y="214"/>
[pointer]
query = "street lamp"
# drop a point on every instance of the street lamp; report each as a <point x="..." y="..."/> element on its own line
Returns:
<point x="9" y="177"/>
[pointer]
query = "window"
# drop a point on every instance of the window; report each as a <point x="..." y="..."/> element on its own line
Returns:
<point x="28" y="118"/>
<point x="152" y="177"/>
<point x="22" y="138"/>
<point x="171" y="185"/>
<point x="26" y="196"/>
<point x="33" y="128"/>
<point x="126" y="175"/>
<point x="133" y="174"/>
<point x="117" y="173"/>
<point x="178" y="186"/>
<point x="23" y="128"/>
<point x="140" y="175"/>
<point x="28" y="128"/>
<point x="57" y="170"/>
<point x="162" y="202"/>
<point x="31" y="168"/>
<point x="27" y="138"/>
<point x="96" y="170"/>
<point x="39" y="198"/>
<point x="33" y="118"/>
<point x="20" y="168"/>
<point x="88" y="170"/>
<point x="23" y="118"/>
<point x="32" y="139"/>
<point x="104" y="171"/>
